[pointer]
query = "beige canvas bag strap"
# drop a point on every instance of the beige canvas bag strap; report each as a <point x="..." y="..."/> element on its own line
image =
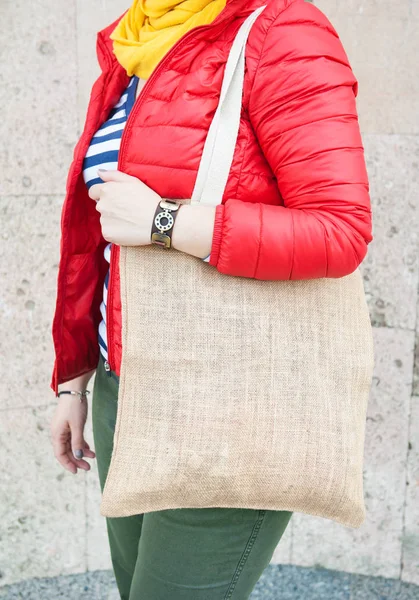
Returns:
<point x="220" y="142"/>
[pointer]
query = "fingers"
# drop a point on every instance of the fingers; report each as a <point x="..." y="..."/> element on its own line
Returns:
<point x="95" y="191"/>
<point x="78" y="462"/>
<point x="65" y="456"/>
<point x="88" y="452"/>
<point x="80" y="448"/>
<point x="62" y="455"/>
<point x="65" y="443"/>
<point x="117" y="176"/>
<point x="77" y="441"/>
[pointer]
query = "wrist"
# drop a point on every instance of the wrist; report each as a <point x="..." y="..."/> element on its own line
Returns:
<point x="163" y="222"/>
<point x="81" y="395"/>
<point x="78" y="383"/>
<point x="193" y="229"/>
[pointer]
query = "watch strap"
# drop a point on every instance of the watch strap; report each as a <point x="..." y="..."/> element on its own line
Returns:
<point x="164" y="222"/>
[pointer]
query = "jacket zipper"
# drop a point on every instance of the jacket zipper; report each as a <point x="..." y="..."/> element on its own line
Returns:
<point x="152" y="77"/>
<point x="109" y="306"/>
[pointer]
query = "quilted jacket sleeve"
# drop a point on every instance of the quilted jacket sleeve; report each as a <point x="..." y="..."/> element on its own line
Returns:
<point x="303" y="111"/>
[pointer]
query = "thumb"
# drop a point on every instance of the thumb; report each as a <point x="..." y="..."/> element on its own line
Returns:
<point x="78" y="443"/>
<point x="114" y="175"/>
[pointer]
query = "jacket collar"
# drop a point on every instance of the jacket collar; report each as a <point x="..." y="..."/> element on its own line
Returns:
<point x="232" y="9"/>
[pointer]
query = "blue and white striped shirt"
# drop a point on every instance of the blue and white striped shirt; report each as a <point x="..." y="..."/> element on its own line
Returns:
<point x="103" y="154"/>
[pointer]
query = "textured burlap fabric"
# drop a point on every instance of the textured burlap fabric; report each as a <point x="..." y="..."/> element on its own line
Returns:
<point x="236" y="392"/>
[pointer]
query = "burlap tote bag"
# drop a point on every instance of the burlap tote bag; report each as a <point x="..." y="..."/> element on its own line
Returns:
<point x="237" y="392"/>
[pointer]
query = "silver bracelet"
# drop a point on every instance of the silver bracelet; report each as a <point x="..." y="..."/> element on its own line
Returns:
<point x="82" y="393"/>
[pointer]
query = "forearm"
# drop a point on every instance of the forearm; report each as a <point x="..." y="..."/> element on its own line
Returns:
<point x="78" y="383"/>
<point x="193" y="229"/>
<point x="295" y="244"/>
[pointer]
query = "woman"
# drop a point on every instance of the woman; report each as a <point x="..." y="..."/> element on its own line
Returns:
<point x="296" y="206"/>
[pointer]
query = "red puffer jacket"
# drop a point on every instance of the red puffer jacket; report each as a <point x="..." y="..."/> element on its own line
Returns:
<point x="296" y="204"/>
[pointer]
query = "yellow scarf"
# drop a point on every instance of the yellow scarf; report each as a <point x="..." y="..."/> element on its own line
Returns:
<point x="151" y="27"/>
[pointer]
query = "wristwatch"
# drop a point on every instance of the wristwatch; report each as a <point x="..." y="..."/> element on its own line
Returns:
<point x="163" y="223"/>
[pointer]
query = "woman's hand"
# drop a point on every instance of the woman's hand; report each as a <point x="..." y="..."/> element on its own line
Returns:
<point x="67" y="428"/>
<point x="126" y="206"/>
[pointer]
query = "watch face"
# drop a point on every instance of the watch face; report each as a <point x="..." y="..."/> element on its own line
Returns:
<point x="164" y="221"/>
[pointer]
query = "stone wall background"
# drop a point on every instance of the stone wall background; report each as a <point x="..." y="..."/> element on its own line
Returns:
<point x="50" y="521"/>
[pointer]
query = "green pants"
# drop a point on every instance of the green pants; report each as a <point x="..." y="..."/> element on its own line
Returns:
<point x="182" y="554"/>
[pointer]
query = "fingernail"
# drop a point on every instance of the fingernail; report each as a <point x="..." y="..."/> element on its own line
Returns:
<point x="102" y="170"/>
<point x="78" y="453"/>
